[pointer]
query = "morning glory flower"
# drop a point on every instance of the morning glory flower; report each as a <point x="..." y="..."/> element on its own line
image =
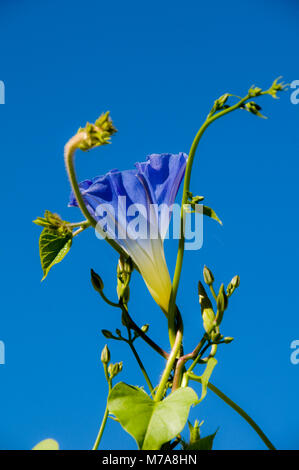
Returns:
<point x="148" y="190"/>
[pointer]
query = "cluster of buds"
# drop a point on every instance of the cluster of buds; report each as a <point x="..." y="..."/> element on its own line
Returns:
<point x="112" y="369"/>
<point x="276" y="87"/>
<point x="98" y="133"/>
<point x="124" y="271"/>
<point x="212" y="321"/>
<point x="220" y="104"/>
<point x="254" y="91"/>
<point x="52" y="221"/>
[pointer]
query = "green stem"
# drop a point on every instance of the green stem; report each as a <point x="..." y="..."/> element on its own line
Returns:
<point x="69" y="157"/>
<point x="147" y="379"/>
<point x="106" y="413"/>
<point x="145" y="338"/>
<point x="244" y="415"/>
<point x="186" y="190"/>
<point x="169" y="365"/>
<point x="83" y="223"/>
<point x="109" y="302"/>
<point x="239" y="410"/>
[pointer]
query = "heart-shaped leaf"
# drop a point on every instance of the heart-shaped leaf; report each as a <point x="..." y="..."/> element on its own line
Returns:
<point x="53" y="246"/>
<point x="150" y="423"/>
<point x="47" y="444"/>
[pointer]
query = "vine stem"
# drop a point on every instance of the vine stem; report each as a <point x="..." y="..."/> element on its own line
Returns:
<point x="142" y="368"/>
<point x="69" y="157"/>
<point x="169" y="365"/>
<point x="106" y="413"/>
<point x="186" y="190"/>
<point x="239" y="410"/>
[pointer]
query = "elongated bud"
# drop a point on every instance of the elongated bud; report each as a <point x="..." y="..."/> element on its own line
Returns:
<point x="105" y="356"/>
<point x="234" y="284"/>
<point x="222" y="302"/>
<point x="228" y="339"/>
<point x="208" y="276"/>
<point x="124" y="270"/>
<point x="235" y="281"/>
<point x="107" y="334"/>
<point x="96" y="281"/>
<point x="207" y="312"/>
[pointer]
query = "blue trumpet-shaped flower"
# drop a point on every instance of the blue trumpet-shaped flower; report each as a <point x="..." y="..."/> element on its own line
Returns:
<point x="149" y="190"/>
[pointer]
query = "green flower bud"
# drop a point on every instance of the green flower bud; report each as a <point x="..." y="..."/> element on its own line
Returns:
<point x="208" y="276"/>
<point x="235" y="281"/>
<point x="118" y="332"/>
<point x="207" y="311"/>
<point x="254" y="108"/>
<point x="254" y="91"/>
<point x="105" y="355"/>
<point x="222" y="302"/>
<point x="107" y="334"/>
<point x="114" y="369"/>
<point x="145" y="328"/>
<point x="96" y="281"/>
<point x="98" y="133"/>
<point x="234" y="284"/>
<point x="228" y="339"/>
<point x="222" y="299"/>
<point x="275" y="87"/>
<point x="124" y="270"/>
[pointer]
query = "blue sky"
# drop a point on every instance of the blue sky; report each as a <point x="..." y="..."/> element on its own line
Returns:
<point x="157" y="67"/>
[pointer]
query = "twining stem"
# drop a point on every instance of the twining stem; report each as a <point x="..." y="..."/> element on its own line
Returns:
<point x="137" y="357"/>
<point x="106" y="413"/>
<point x="182" y="361"/>
<point x="239" y="410"/>
<point x="69" y="157"/>
<point x="146" y="338"/>
<point x="169" y="365"/>
<point x="186" y="190"/>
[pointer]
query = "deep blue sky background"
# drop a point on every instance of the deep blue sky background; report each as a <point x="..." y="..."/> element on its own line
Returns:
<point x="157" y="66"/>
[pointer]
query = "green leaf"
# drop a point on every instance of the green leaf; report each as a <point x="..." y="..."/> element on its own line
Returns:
<point x="150" y="423"/>
<point x="206" y="377"/>
<point x="211" y="213"/>
<point x="205" y="443"/>
<point x="47" y="444"/>
<point x="53" y="246"/>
